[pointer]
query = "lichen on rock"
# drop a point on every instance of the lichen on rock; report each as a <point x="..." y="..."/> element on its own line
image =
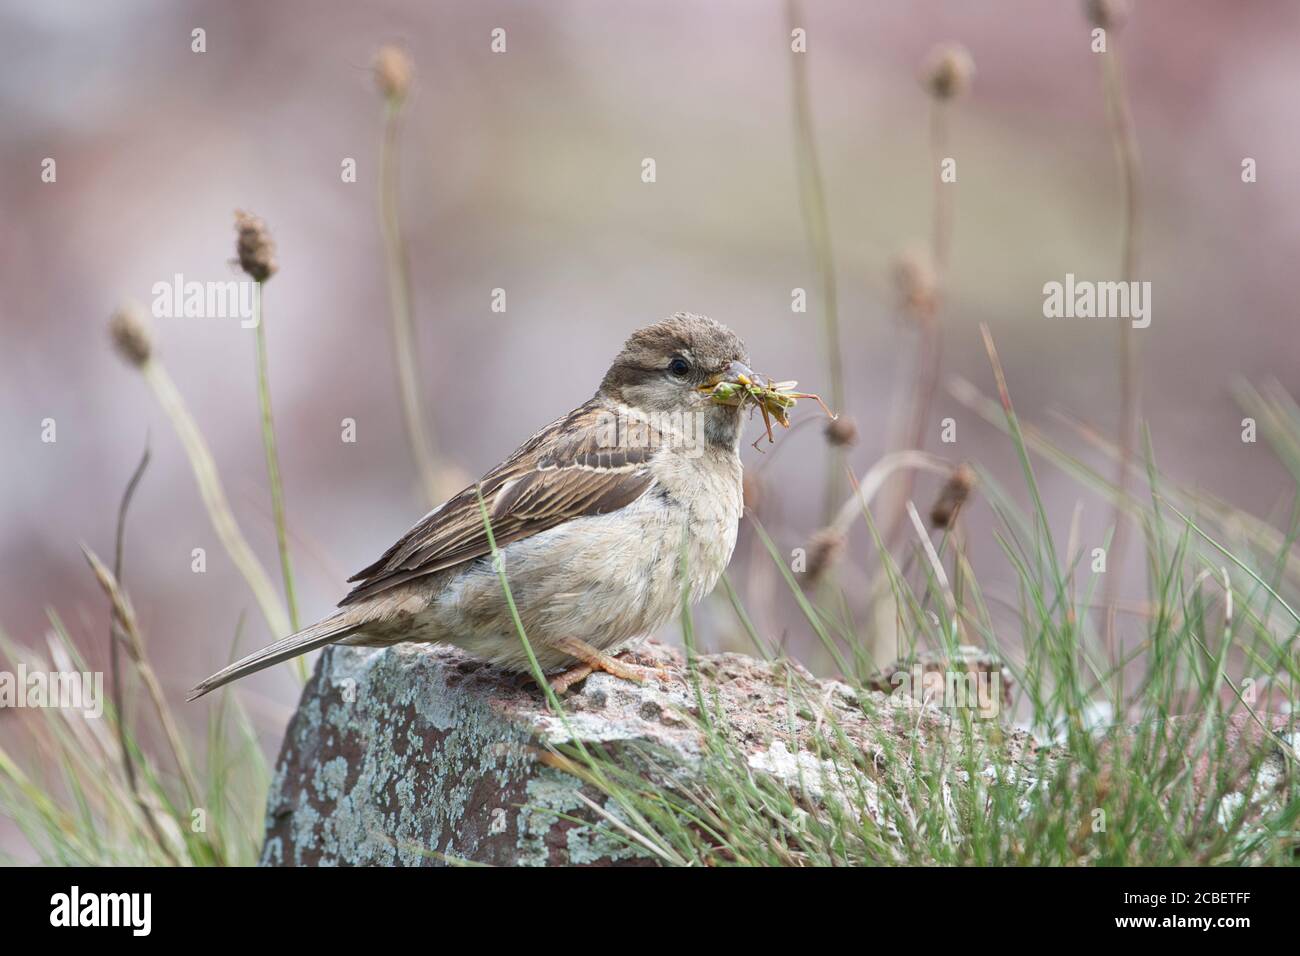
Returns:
<point x="418" y="755"/>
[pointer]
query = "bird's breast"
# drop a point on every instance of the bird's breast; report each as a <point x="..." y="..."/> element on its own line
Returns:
<point x="703" y="489"/>
<point x="604" y="578"/>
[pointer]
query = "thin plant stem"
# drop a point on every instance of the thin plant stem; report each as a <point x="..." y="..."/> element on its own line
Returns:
<point x="812" y="206"/>
<point x="117" y="638"/>
<point x="214" y="497"/>
<point x="930" y="345"/>
<point x="866" y="487"/>
<point x="125" y="616"/>
<point x="941" y="228"/>
<point x="399" y="292"/>
<point x="1124" y="139"/>
<point x="273" y="466"/>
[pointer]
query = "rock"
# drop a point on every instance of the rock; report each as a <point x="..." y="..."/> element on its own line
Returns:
<point x="1251" y="772"/>
<point x="417" y="755"/>
<point x="971" y="676"/>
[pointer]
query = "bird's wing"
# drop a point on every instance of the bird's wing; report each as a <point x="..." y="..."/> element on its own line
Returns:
<point x="574" y="467"/>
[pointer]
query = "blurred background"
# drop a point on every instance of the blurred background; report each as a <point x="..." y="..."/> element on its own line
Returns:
<point x="522" y="171"/>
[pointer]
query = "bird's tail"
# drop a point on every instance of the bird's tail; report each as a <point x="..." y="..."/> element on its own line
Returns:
<point x="308" y="639"/>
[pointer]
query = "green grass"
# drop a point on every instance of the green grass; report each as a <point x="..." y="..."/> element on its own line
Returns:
<point x="1217" y="634"/>
<point x="68" y="793"/>
<point x="1138" y="789"/>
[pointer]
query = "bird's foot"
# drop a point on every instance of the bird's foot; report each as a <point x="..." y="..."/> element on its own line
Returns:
<point x="589" y="660"/>
<point x="562" y="681"/>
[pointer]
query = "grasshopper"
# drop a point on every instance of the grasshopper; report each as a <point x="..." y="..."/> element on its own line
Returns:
<point x="773" y="400"/>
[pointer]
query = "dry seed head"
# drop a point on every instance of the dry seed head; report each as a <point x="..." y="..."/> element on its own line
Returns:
<point x="130" y="335"/>
<point x="952" y="496"/>
<point x="842" y="432"/>
<point x="824" y="550"/>
<point x="948" y="71"/>
<point x="1107" y="14"/>
<point x="915" y="279"/>
<point x="254" y="247"/>
<point x="393" y="71"/>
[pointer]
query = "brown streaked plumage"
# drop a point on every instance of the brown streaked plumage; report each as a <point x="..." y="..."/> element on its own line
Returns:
<point x="592" y="515"/>
<point x="559" y="474"/>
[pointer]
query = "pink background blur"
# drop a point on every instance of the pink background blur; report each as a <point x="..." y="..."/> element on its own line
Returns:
<point x="522" y="171"/>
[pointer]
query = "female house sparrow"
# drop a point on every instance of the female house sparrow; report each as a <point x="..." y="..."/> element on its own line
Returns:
<point x="594" y="516"/>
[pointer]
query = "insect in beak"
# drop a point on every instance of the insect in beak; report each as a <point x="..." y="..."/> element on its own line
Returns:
<point x="735" y="374"/>
<point x="738" y="385"/>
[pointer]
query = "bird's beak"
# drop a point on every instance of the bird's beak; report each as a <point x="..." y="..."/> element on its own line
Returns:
<point x="738" y="373"/>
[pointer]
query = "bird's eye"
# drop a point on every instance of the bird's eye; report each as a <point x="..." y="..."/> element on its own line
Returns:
<point x="679" y="366"/>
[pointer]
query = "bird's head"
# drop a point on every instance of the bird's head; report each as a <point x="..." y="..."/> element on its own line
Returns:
<point x="667" y="368"/>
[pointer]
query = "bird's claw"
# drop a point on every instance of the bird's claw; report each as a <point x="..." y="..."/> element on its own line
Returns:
<point x="590" y="659"/>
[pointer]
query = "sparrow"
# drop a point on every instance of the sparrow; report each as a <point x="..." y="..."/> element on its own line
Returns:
<point x="604" y="521"/>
